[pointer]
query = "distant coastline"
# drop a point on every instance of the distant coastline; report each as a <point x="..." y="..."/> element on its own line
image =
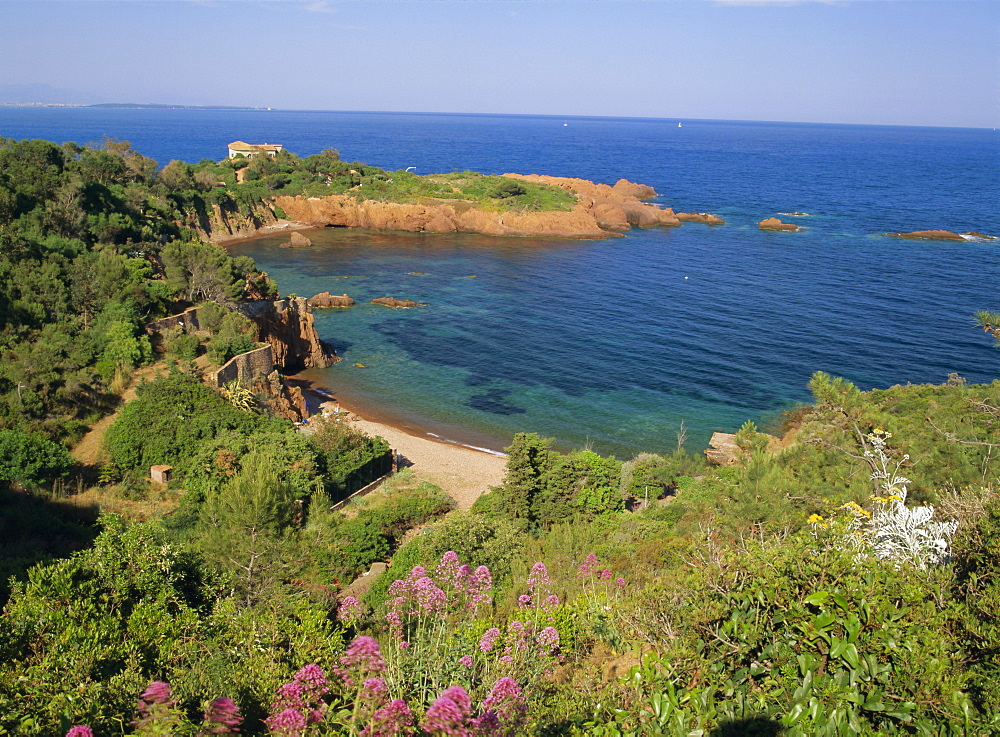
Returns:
<point x="131" y="106"/>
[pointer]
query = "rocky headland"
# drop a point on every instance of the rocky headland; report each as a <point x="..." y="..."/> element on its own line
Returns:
<point x="600" y="211"/>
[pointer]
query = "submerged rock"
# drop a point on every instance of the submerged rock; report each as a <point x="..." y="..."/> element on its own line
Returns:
<point x="297" y="240"/>
<point x="393" y="302"/>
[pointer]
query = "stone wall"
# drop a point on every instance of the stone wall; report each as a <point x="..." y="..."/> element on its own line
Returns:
<point x="189" y="318"/>
<point x="247" y="367"/>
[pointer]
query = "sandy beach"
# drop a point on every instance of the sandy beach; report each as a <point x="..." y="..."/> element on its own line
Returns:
<point x="464" y="473"/>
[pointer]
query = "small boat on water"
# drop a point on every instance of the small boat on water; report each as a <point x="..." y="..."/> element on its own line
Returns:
<point x="679" y="124"/>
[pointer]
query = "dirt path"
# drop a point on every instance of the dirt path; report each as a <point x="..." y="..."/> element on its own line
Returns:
<point x="88" y="451"/>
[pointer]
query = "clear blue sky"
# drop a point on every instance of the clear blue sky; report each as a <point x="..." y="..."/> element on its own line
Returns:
<point x="842" y="61"/>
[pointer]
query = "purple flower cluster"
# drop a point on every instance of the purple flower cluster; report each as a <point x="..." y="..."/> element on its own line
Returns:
<point x="501" y="713"/>
<point x="507" y="707"/>
<point x="392" y="719"/>
<point x="453" y="590"/>
<point x="349" y="610"/>
<point x="489" y="639"/>
<point x="80" y="731"/>
<point x="449" y="714"/>
<point x="299" y="702"/>
<point x="539" y="596"/>
<point x="155" y="705"/>
<point x="590" y="571"/>
<point x="222" y="717"/>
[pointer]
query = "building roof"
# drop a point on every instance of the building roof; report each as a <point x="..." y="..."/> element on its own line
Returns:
<point x="254" y="147"/>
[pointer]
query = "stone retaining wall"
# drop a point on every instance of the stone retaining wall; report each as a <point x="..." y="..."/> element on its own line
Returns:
<point x="255" y="364"/>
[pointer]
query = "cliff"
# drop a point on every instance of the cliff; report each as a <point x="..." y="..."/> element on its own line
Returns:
<point x="600" y="211"/>
<point x="289" y="327"/>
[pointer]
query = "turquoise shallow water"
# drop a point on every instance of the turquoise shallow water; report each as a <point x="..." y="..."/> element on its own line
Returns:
<point x="607" y="343"/>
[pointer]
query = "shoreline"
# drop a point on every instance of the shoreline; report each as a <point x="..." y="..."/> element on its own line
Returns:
<point x="464" y="471"/>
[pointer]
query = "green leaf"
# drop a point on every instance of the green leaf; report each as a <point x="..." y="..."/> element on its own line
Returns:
<point x="817" y="599"/>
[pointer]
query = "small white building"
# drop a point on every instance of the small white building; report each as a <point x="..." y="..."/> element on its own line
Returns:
<point x="253" y="150"/>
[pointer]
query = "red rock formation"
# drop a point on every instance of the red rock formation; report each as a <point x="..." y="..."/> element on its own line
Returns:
<point x="631" y="189"/>
<point x="929" y="235"/>
<point x="776" y="224"/>
<point x="290" y="328"/>
<point x="325" y="299"/>
<point x="599" y="209"/>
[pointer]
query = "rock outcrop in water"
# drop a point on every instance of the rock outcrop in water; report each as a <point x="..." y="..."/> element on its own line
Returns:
<point x="929" y="235"/>
<point x="325" y="299"/>
<point x="600" y="211"/>
<point x="700" y="217"/>
<point x="776" y="224"/>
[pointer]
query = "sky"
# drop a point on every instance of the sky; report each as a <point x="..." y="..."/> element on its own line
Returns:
<point x="896" y="62"/>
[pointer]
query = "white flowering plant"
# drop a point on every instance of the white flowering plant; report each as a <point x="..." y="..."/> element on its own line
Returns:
<point x="889" y="530"/>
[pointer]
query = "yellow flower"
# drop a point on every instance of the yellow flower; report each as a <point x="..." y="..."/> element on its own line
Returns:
<point x="815" y="519"/>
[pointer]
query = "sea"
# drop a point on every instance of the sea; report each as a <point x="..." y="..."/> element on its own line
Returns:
<point x="637" y="343"/>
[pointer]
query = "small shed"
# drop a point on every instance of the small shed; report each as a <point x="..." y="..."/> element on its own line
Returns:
<point x="161" y="474"/>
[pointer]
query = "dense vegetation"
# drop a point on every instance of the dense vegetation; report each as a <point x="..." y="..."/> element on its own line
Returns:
<point x="809" y="588"/>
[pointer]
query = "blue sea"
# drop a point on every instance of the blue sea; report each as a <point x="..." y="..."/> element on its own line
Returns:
<point x="618" y="344"/>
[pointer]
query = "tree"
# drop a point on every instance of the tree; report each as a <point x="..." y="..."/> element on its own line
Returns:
<point x="31" y="458"/>
<point x="242" y="527"/>
<point x="528" y="458"/>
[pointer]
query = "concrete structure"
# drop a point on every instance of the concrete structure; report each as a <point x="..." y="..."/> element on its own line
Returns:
<point x="161" y="474"/>
<point x="253" y="150"/>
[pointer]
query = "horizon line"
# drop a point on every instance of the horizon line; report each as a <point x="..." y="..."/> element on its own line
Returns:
<point x="262" y="108"/>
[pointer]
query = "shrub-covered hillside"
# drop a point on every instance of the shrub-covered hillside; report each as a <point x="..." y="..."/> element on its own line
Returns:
<point x="840" y="580"/>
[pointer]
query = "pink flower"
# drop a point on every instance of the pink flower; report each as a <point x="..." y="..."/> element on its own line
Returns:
<point x="349" y="610"/>
<point x="288" y="723"/>
<point x="606" y="574"/>
<point x="539" y="577"/>
<point x="393" y="718"/>
<point x="506" y="700"/>
<point x="461" y="698"/>
<point x="620" y="581"/>
<point x="404" y="645"/>
<point x="488" y="640"/>
<point x="548" y="639"/>
<point x="447" y="570"/>
<point x="524" y="600"/>
<point x="224" y="714"/>
<point x="313" y="677"/>
<point x="550" y="603"/>
<point x="154" y="704"/>
<point x="448" y="713"/>
<point x="373" y="688"/>
<point x="466" y="660"/>
<point x="364" y="652"/>
<point x="157" y="692"/>
<point x="80" y="731"/>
